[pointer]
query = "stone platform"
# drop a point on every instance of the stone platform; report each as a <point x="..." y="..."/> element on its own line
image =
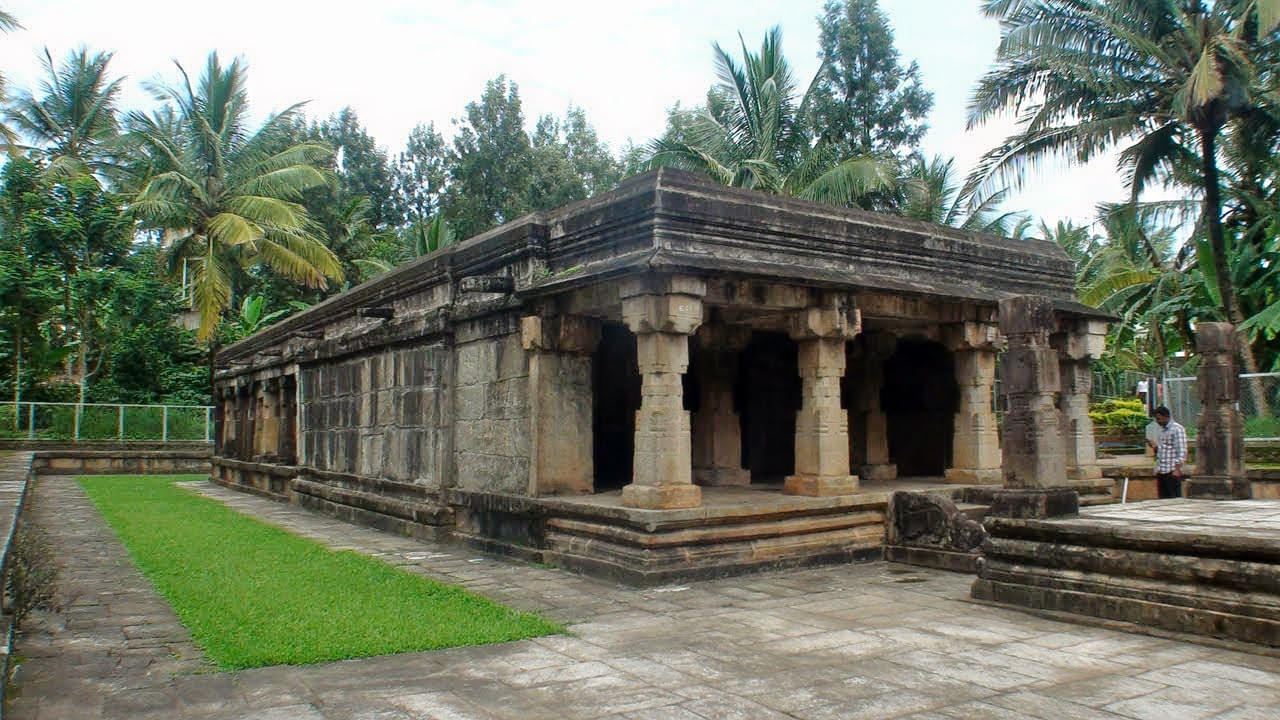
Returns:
<point x="735" y="530"/>
<point x="1196" y="566"/>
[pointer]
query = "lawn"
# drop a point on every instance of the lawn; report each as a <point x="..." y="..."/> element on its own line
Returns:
<point x="254" y="595"/>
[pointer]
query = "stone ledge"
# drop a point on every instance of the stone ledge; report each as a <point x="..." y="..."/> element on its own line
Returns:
<point x="1146" y="537"/>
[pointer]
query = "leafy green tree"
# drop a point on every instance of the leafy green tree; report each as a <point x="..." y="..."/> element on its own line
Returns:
<point x="750" y="135"/>
<point x="28" y="280"/>
<point x="421" y="173"/>
<point x="85" y="232"/>
<point x="569" y="162"/>
<point x="362" y="168"/>
<point x="865" y="103"/>
<point x="226" y="196"/>
<point x="149" y="358"/>
<point x="73" y="119"/>
<point x="492" y="164"/>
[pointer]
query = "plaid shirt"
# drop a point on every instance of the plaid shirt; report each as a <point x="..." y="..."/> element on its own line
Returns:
<point x="1171" y="447"/>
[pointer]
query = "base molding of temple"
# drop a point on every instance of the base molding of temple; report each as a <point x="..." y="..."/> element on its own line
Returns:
<point x="1150" y="573"/>
<point x="967" y="476"/>
<point x="820" y="485"/>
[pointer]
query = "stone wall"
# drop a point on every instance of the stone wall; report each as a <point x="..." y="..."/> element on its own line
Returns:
<point x="377" y="415"/>
<point x="491" y="410"/>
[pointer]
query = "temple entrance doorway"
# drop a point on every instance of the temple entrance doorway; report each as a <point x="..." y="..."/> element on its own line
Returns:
<point x="768" y="396"/>
<point x="919" y="397"/>
<point x="616" y="380"/>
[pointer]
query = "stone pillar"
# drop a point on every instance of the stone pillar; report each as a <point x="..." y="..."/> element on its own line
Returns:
<point x="975" y="441"/>
<point x="1033" y="455"/>
<point x="1082" y="342"/>
<point x="865" y="399"/>
<point x="822" y="426"/>
<point x="717" y="432"/>
<point x="662" y="312"/>
<point x="560" y="403"/>
<point x="269" y="419"/>
<point x="1220" y="471"/>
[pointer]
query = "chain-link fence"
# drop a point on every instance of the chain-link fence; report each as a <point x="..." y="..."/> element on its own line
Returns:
<point x="1259" y="403"/>
<point x="89" y="421"/>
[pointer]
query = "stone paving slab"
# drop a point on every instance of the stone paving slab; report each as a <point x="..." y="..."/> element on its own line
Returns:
<point x="854" y="641"/>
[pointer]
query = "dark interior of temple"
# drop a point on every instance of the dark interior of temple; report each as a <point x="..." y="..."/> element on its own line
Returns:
<point x="919" y="397"/>
<point x="616" y="380"/>
<point x="767" y="397"/>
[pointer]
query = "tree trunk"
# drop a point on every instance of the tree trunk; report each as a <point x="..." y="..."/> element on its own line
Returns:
<point x="17" y="373"/>
<point x="1222" y="264"/>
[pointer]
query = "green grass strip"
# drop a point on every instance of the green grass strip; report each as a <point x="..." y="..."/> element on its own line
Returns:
<point x="254" y="595"/>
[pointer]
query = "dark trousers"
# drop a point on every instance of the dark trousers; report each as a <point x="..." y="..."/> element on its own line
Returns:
<point x="1168" y="486"/>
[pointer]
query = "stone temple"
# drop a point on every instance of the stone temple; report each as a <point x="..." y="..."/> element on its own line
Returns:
<point x="674" y="379"/>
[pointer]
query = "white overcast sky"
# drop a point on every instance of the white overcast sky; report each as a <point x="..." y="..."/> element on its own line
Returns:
<point x="399" y="63"/>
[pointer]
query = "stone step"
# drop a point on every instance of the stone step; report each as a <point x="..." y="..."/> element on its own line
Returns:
<point x="646" y="566"/>
<point x="714" y="534"/>
<point x="645" y="556"/>
<point x="975" y="511"/>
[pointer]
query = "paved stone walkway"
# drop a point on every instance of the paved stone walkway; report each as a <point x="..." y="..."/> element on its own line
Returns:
<point x="853" y="641"/>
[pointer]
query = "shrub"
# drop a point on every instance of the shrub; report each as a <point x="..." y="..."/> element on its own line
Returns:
<point x="1123" y="420"/>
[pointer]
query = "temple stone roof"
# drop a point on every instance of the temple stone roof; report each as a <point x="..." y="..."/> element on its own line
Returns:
<point x="670" y="220"/>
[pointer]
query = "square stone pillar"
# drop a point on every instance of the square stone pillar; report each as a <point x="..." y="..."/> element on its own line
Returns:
<point x="975" y="441"/>
<point x="560" y="403"/>
<point x="717" y="432"/>
<point x="1220" y="471"/>
<point x="1033" y="455"/>
<point x="662" y="311"/>
<point x="822" y="426"/>
<point x="1082" y="342"/>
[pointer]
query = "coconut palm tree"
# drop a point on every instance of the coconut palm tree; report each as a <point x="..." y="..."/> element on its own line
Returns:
<point x="1159" y="79"/>
<point x="420" y="238"/>
<point x="8" y="23"/>
<point x="935" y="192"/>
<point x="750" y="135"/>
<point x="73" y="120"/>
<point x="228" y="197"/>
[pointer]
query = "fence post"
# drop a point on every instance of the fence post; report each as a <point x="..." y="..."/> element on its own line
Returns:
<point x="164" y="424"/>
<point x="120" y="424"/>
<point x="208" y="418"/>
<point x="31" y="421"/>
<point x="75" y="422"/>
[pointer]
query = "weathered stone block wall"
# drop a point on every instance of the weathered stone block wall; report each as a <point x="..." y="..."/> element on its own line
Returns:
<point x="376" y="415"/>
<point x="491" y="410"/>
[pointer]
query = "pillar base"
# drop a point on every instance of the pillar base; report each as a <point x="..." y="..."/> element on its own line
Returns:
<point x="721" y="476"/>
<point x="1217" y="487"/>
<point x="974" y="476"/>
<point x="820" y="485"/>
<point x="1084" y="472"/>
<point x="1034" y="503"/>
<point x="661" y="497"/>
<point x="878" y="472"/>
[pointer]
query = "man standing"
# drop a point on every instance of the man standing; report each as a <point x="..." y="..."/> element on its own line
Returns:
<point x="1170" y="446"/>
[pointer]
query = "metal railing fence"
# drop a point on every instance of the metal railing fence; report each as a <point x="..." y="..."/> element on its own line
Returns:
<point x="105" y="421"/>
<point x="1259" y="403"/>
